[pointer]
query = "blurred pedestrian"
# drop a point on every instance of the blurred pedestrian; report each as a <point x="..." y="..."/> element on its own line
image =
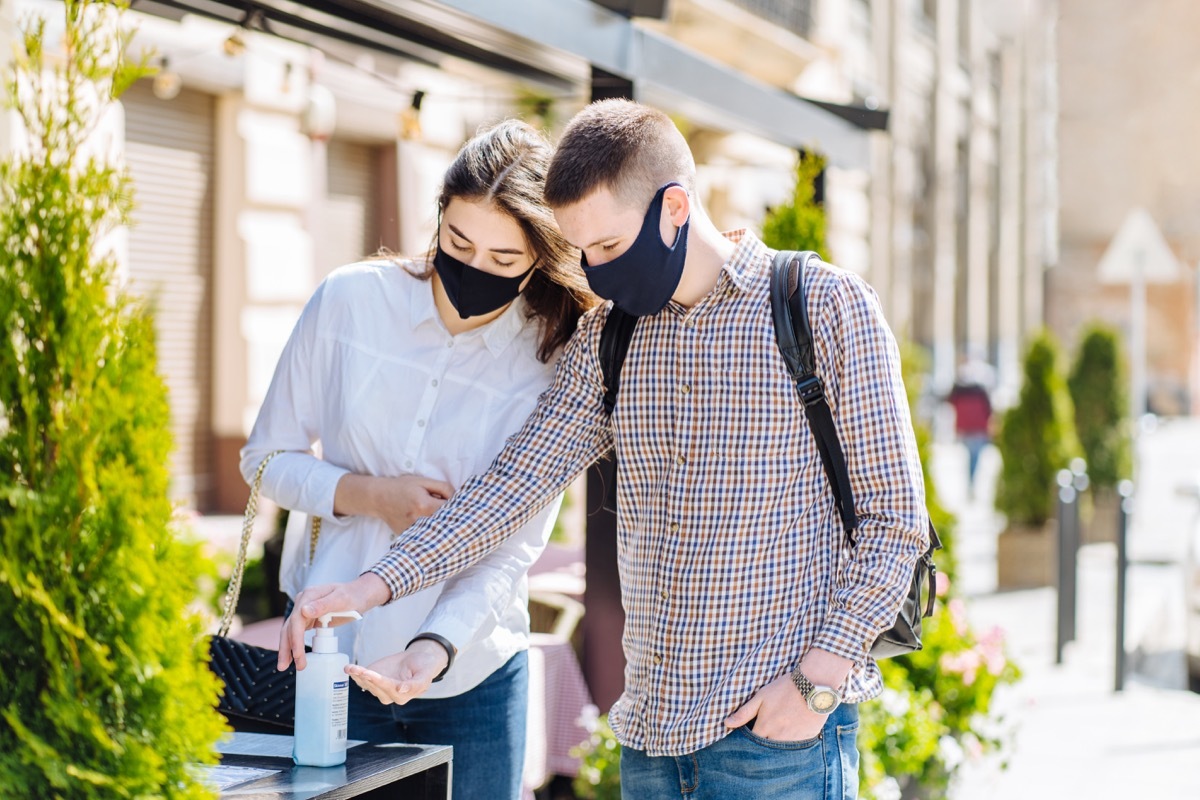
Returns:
<point x="972" y="404"/>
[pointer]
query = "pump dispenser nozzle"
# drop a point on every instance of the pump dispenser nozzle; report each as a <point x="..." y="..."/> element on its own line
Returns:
<point x="323" y="639"/>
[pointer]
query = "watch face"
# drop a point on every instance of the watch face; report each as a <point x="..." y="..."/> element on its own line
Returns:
<point x="823" y="700"/>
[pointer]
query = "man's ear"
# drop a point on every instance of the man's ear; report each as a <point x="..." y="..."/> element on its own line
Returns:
<point x="677" y="204"/>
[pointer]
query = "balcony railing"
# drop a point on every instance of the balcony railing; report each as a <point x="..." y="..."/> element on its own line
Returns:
<point x="792" y="15"/>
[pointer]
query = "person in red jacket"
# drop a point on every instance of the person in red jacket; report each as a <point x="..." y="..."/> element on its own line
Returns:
<point x="972" y="418"/>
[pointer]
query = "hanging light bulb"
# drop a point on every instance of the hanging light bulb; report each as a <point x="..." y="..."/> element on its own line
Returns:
<point x="320" y="114"/>
<point x="167" y="83"/>
<point x="410" y="118"/>
<point x="235" y="45"/>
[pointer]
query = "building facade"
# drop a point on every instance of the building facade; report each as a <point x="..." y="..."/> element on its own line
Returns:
<point x="1129" y="81"/>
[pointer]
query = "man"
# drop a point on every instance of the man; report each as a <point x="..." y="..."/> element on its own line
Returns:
<point x="748" y="622"/>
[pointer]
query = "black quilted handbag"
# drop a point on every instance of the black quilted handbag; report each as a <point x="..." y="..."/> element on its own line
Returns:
<point x="257" y="697"/>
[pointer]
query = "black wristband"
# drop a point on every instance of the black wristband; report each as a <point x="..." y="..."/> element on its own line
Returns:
<point x="450" y="649"/>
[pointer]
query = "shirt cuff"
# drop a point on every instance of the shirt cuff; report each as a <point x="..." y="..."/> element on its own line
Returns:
<point x="400" y="573"/>
<point x="847" y="636"/>
<point x="453" y="630"/>
<point x="321" y="485"/>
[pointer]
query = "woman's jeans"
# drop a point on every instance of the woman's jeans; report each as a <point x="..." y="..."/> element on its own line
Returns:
<point x="743" y="766"/>
<point x="486" y="727"/>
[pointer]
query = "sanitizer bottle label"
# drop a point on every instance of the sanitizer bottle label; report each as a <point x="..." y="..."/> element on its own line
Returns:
<point x="341" y="704"/>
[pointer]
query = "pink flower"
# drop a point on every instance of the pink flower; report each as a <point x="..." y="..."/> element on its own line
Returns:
<point x="958" y="615"/>
<point x="941" y="584"/>
<point x="966" y="663"/>
<point x="991" y="648"/>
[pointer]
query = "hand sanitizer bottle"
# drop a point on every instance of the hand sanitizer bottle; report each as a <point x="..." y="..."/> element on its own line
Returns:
<point x="322" y="700"/>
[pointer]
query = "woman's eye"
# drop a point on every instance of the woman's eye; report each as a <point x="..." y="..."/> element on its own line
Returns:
<point x="609" y="247"/>
<point x="460" y="248"/>
<point x="503" y="264"/>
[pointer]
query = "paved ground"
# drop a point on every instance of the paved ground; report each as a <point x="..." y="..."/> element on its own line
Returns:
<point x="1073" y="735"/>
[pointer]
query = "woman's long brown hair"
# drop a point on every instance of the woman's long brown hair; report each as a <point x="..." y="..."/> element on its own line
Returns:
<point x="506" y="165"/>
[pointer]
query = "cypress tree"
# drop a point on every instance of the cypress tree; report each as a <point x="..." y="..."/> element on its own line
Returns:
<point x="104" y="692"/>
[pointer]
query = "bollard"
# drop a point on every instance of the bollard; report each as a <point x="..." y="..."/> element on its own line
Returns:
<point x="1125" y="490"/>
<point x="1067" y="551"/>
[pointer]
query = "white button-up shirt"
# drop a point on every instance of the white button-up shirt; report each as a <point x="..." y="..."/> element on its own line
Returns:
<point x="372" y="375"/>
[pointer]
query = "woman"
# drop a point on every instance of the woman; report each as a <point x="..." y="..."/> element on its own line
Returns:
<point x="411" y="376"/>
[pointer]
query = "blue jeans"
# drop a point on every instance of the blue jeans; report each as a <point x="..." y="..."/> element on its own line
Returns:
<point x="486" y="727"/>
<point x="747" y="767"/>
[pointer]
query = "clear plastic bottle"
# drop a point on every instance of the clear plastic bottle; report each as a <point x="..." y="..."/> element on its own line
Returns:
<point x="322" y="700"/>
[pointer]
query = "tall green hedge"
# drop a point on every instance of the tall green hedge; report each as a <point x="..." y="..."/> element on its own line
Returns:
<point x="1037" y="438"/>
<point x="799" y="224"/>
<point x="103" y="688"/>
<point x="1099" y="391"/>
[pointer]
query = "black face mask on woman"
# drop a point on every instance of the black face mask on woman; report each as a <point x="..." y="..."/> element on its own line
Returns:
<point x="641" y="280"/>
<point x="474" y="292"/>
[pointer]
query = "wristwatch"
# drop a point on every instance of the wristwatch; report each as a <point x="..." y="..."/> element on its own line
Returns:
<point x="820" y="699"/>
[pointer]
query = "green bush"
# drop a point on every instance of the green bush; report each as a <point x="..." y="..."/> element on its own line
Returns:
<point x="799" y="224"/>
<point x="1036" y="438"/>
<point x="1099" y="389"/>
<point x="104" y="692"/>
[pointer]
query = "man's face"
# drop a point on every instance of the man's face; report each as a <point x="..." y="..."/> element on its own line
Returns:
<point x="600" y="225"/>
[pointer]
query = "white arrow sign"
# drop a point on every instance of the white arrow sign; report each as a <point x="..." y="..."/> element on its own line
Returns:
<point x="1138" y="244"/>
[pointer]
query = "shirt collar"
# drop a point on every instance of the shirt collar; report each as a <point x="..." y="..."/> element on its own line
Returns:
<point x="497" y="335"/>
<point x="747" y="258"/>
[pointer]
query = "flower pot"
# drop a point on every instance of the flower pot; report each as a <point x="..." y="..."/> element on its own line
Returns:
<point x="1026" y="556"/>
<point x="1101" y="525"/>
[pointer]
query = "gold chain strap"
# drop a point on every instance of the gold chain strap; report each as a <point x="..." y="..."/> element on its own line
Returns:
<point x="234" y="591"/>
<point x="239" y="569"/>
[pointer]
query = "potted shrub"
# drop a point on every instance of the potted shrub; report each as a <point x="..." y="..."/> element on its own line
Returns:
<point x="1099" y="392"/>
<point x="799" y="224"/>
<point x="104" y="691"/>
<point x="1036" y="439"/>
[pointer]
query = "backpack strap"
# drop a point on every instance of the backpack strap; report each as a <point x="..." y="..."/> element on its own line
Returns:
<point x="614" y="346"/>
<point x="789" y="310"/>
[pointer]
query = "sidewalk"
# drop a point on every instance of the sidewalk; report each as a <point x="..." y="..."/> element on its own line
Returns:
<point x="1073" y="735"/>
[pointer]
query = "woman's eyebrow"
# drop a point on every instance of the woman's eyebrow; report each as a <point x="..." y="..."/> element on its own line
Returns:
<point x="505" y="250"/>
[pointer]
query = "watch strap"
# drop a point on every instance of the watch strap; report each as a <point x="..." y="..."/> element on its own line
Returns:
<point x="451" y="650"/>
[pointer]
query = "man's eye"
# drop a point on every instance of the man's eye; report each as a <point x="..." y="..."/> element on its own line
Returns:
<point x="609" y="247"/>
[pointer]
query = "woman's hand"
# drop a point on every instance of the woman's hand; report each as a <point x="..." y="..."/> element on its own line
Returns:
<point x="398" y="501"/>
<point x="403" y="676"/>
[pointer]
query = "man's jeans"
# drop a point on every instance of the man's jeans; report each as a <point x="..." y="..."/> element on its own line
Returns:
<point x="743" y="766"/>
<point x="486" y="726"/>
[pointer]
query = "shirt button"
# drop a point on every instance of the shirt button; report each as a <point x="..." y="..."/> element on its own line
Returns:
<point x="664" y="594"/>
<point x="408" y="464"/>
<point x="433" y="382"/>
<point x="658" y="659"/>
<point x="680" y="460"/>
<point x="685" y="388"/>
<point x="450" y="343"/>
<point x="420" y="423"/>
<point x="674" y="528"/>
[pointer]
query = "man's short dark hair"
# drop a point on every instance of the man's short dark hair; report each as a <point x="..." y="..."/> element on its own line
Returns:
<point x="626" y="147"/>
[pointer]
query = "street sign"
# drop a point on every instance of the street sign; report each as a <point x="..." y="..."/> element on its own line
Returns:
<point x="1138" y="242"/>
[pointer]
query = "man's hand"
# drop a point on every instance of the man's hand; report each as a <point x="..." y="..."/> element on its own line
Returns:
<point x="782" y="713"/>
<point x="362" y="594"/>
<point x="403" y="676"/>
<point x="398" y="501"/>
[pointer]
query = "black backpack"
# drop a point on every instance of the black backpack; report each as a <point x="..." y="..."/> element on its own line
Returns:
<point x="789" y="309"/>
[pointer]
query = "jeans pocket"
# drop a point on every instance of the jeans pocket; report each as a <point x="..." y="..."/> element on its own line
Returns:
<point x="775" y="744"/>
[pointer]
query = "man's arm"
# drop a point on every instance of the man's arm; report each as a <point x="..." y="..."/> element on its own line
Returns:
<point x="858" y="358"/>
<point x="566" y="432"/>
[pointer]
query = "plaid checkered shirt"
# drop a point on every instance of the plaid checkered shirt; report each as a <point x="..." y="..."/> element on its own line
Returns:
<point x="731" y="554"/>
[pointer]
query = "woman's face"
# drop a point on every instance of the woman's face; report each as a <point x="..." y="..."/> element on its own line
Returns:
<point x="479" y="234"/>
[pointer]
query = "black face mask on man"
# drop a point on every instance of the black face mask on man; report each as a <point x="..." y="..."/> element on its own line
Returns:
<point x="474" y="292"/>
<point x="641" y="280"/>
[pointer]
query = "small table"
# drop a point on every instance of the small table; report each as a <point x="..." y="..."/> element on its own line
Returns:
<point x="371" y="772"/>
